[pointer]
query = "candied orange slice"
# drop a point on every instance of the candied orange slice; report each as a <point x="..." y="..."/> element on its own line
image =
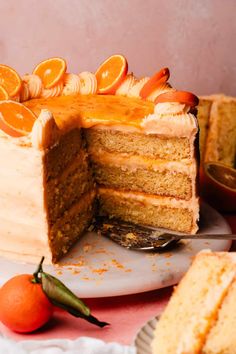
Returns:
<point x="16" y="119"/>
<point x="178" y="96"/>
<point x="218" y="185"/>
<point x="158" y="79"/>
<point x="10" y="80"/>
<point x="3" y="94"/>
<point x="111" y="73"/>
<point x="50" y="71"/>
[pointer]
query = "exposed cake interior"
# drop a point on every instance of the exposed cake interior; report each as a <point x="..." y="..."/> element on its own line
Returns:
<point x="217" y="123"/>
<point x="221" y="139"/>
<point x="221" y="337"/>
<point x="55" y="197"/>
<point x="134" y="149"/>
<point x="136" y="159"/>
<point x="195" y="311"/>
<point x="149" y="177"/>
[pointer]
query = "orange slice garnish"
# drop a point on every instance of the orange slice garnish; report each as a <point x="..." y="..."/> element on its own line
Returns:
<point x="10" y="80"/>
<point x="3" y="94"/>
<point x="15" y="119"/>
<point x="218" y="186"/>
<point x="158" y="79"/>
<point x="111" y="73"/>
<point x="185" y="97"/>
<point x="50" y="71"/>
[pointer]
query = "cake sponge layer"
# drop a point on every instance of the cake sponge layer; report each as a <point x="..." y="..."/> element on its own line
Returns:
<point x="152" y="146"/>
<point x="141" y="211"/>
<point x="221" y="139"/>
<point x="165" y="183"/>
<point x="222" y="337"/>
<point x="59" y="156"/>
<point x="66" y="189"/>
<point x="193" y="307"/>
<point x="68" y="229"/>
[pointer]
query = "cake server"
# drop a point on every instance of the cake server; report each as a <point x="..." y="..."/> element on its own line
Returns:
<point x="145" y="238"/>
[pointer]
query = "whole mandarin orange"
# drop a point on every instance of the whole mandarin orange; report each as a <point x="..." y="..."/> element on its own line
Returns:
<point x="23" y="305"/>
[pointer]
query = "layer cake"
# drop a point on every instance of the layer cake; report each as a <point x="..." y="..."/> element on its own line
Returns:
<point x="114" y="155"/>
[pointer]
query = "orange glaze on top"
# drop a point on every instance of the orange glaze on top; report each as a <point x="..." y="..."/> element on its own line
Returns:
<point x="91" y="110"/>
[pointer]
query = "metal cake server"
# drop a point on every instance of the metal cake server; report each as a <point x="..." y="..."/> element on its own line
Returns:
<point x="145" y="238"/>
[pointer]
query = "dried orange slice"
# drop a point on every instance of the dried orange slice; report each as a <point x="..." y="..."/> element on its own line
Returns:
<point x="218" y="186"/>
<point x="178" y="96"/>
<point x="10" y="80"/>
<point x="16" y="119"/>
<point x="50" y="71"/>
<point x="111" y="73"/>
<point x="154" y="82"/>
<point x="3" y="94"/>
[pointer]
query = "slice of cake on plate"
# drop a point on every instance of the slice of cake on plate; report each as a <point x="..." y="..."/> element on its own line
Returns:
<point x="199" y="317"/>
<point x="133" y="158"/>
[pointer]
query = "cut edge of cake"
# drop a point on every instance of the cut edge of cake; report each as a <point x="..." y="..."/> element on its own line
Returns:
<point x="165" y="186"/>
<point x="194" y="313"/>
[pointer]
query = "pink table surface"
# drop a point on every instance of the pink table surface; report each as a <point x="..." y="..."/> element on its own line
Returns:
<point x="126" y="314"/>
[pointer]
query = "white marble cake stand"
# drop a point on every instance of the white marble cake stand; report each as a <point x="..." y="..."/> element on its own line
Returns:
<point x="98" y="267"/>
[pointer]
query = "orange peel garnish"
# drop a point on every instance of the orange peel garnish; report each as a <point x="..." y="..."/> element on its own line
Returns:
<point x="15" y="119"/>
<point x="158" y="79"/>
<point x="185" y="97"/>
<point x="50" y="71"/>
<point x="111" y="73"/>
<point x="10" y="80"/>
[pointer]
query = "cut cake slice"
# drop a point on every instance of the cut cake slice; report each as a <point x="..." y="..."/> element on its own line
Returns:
<point x="222" y="336"/>
<point x="197" y="308"/>
<point x="221" y="138"/>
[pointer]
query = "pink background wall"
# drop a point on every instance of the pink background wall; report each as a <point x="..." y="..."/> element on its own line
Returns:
<point x="195" y="38"/>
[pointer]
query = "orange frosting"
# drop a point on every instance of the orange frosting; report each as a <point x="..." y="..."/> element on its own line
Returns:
<point x="91" y="110"/>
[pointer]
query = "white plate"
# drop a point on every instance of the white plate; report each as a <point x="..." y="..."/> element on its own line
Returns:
<point x="98" y="267"/>
<point x="144" y="338"/>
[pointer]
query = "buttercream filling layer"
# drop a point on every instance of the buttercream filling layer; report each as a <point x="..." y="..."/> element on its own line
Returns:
<point x="156" y="201"/>
<point x="136" y="162"/>
<point x="153" y="199"/>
